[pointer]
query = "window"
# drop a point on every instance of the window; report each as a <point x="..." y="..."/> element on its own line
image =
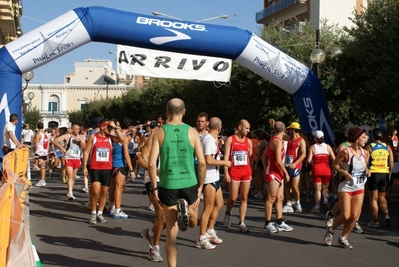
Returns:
<point x="53" y="103"/>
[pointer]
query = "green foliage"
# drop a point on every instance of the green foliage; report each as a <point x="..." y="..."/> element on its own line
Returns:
<point x="32" y="117"/>
<point x="366" y="70"/>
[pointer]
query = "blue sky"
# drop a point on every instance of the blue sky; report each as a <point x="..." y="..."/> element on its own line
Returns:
<point x="38" y="12"/>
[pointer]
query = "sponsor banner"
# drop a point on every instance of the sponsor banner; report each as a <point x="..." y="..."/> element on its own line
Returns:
<point x="48" y="42"/>
<point x="163" y="64"/>
<point x="273" y="65"/>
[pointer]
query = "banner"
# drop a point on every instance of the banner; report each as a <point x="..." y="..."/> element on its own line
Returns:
<point x="164" y="64"/>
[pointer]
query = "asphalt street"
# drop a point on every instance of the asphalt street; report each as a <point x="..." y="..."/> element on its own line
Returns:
<point x="63" y="236"/>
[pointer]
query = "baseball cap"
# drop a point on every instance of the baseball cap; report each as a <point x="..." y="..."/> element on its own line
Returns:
<point x="318" y="134"/>
<point x="96" y="121"/>
<point x="294" y="125"/>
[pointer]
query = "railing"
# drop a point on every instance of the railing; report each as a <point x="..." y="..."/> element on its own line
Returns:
<point x="275" y="8"/>
<point x="54" y="112"/>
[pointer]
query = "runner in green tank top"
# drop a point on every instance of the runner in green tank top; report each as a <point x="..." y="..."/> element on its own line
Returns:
<point x="179" y="191"/>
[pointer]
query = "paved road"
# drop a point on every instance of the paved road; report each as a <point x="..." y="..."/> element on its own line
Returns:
<point x="63" y="237"/>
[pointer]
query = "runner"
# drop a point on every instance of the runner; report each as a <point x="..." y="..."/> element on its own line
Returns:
<point x="179" y="188"/>
<point x="99" y="146"/>
<point x="74" y="144"/>
<point x="352" y="164"/>
<point x="212" y="193"/>
<point x="238" y="150"/>
<point x="275" y="174"/>
<point x="41" y="147"/>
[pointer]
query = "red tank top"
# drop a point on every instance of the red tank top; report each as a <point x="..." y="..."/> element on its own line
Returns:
<point x="292" y="153"/>
<point x="101" y="153"/>
<point x="239" y="154"/>
<point x="273" y="166"/>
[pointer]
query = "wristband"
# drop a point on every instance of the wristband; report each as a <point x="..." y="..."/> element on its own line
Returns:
<point x="153" y="189"/>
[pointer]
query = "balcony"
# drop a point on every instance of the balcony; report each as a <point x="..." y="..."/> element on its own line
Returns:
<point x="261" y="16"/>
<point x="54" y="112"/>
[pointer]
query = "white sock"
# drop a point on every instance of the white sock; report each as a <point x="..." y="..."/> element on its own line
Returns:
<point x="156" y="248"/>
<point x="99" y="213"/>
<point x="210" y="231"/>
<point x="202" y="237"/>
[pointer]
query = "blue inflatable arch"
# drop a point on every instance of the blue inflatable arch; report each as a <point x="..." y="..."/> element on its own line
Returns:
<point x="99" y="24"/>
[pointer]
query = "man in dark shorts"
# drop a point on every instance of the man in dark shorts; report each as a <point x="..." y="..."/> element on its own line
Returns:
<point x="179" y="189"/>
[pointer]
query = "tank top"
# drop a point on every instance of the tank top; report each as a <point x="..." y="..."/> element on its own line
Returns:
<point x="273" y="167"/>
<point x="101" y="156"/>
<point x="133" y="145"/>
<point x="118" y="159"/>
<point x="356" y="166"/>
<point x="177" y="158"/>
<point x="292" y="153"/>
<point x="395" y="142"/>
<point x="239" y="154"/>
<point x="379" y="158"/>
<point x="43" y="144"/>
<point x="321" y="159"/>
<point x="73" y="148"/>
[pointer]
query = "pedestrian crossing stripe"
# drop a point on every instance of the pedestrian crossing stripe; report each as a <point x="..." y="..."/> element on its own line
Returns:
<point x="37" y="259"/>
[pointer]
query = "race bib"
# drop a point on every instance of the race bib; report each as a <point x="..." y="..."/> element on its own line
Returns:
<point x="75" y="152"/>
<point x="240" y="158"/>
<point x="359" y="178"/>
<point x="102" y="154"/>
<point x="288" y="160"/>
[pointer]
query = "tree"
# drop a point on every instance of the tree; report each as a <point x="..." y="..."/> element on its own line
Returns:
<point x="32" y="117"/>
<point x="366" y="69"/>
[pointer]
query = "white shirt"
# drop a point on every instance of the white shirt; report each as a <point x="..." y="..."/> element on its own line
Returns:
<point x="211" y="148"/>
<point x="27" y="135"/>
<point x="9" y="127"/>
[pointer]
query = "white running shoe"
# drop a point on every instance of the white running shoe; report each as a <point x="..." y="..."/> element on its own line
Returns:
<point x="120" y="215"/>
<point x="41" y="183"/>
<point x="270" y="228"/>
<point x="213" y="238"/>
<point x="357" y="228"/>
<point x="70" y="196"/>
<point x="315" y="210"/>
<point x="183" y="217"/>
<point x="204" y="244"/>
<point x="283" y="227"/>
<point x="298" y="208"/>
<point x="329" y="219"/>
<point x="242" y="227"/>
<point x="288" y="208"/>
<point x="154" y="255"/>
<point x="150" y="207"/>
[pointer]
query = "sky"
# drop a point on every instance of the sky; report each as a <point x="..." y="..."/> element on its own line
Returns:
<point x="241" y="14"/>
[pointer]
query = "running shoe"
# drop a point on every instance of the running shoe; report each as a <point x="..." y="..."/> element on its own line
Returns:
<point x="283" y="227"/>
<point x="374" y="224"/>
<point x="259" y="195"/>
<point x="328" y="238"/>
<point x="288" y="208"/>
<point x="120" y="215"/>
<point x="329" y="219"/>
<point x="93" y="219"/>
<point x="242" y="227"/>
<point x="41" y="183"/>
<point x="36" y="168"/>
<point x="270" y="228"/>
<point x="65" y="180"/>
<point x="226" y="220"/>
<point x="50" y="174"/>
<point x="204" y="244"/>
<point x="387" y="222"/>
<point x="315" y="210"/>
<point x="70" y="196"/>
<point x="77" y="177"/>
<point x="85" y="189"/>
<point x="154" y="255"/>
<point x="343" y="242"/>
<point x="146" y="236"/>
<point x="101" y="219"/>
<point x="150" y="207"/>
<point x="182" y="219"/>
<point x="298" y="208"/>
<point x="213" y="238"/>
<point x="357" y="228"/>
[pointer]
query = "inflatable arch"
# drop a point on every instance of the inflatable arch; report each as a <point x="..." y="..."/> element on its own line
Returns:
<point x="99" y="24"/>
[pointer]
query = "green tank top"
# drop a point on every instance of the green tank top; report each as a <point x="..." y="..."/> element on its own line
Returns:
<point x="177" y="158"/>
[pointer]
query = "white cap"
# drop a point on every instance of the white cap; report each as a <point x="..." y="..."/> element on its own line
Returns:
<point x="318" y="134"/>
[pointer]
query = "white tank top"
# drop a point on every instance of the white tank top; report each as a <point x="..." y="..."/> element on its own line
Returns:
<point x="43" y="145"/>
<point x="359" y="177"/>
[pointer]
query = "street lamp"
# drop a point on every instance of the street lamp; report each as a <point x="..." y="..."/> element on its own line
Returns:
<point x="27" y="77"/>
<point x="317" y="56"/>
<point x="156" y="13"/>
<point x="31" y="95"/>
<point x="116" y="60"/>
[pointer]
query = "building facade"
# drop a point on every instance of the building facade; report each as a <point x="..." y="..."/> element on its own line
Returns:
<point x="91" y="80"/>
<point x="337" y="11"/>
<point x="10" y="28"/>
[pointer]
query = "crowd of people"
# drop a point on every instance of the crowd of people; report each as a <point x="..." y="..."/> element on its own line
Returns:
<point x="184" y="164"/>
